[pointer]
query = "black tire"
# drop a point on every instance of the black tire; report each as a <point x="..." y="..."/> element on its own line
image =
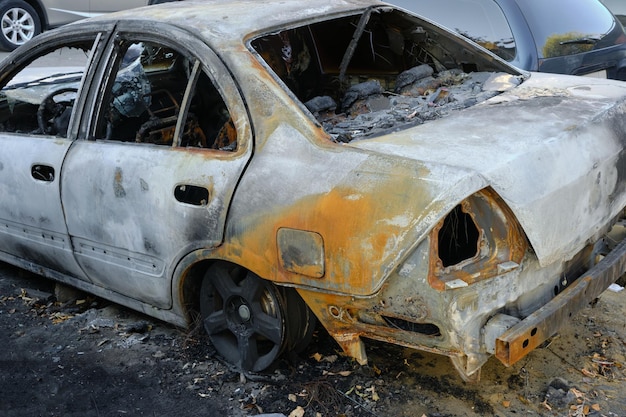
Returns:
<point x="19" y="23"/>
<point x="251" y="321"/>
<point x="243" y="316"/>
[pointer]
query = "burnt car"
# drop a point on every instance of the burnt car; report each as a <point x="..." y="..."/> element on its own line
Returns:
<point x="578" y="37"/>
<point x="270" y="166"/>
<point x="20" y="20"/>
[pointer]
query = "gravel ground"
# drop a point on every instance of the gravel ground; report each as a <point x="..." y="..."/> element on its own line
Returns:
<point x="89" y="357"/>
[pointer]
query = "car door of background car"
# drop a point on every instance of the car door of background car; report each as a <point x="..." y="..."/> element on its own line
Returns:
<point x="38" y="120"/>
<point x="167" y="146"/>
<point x="60" y="12"/>
<point x="108" y="6"/>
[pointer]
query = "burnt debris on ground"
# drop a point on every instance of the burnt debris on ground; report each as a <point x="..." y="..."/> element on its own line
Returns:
<point x="88" y="357"/>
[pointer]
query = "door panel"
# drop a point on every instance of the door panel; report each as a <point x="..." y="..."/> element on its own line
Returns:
<point x="126" y="223"/>
<point x="156" y="183"/>
<point x="37" y="110"/>
<point x="32" y="226"/>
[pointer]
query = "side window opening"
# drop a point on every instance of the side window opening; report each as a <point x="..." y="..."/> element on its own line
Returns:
<point x="39" y="98"/>
<point x="147" y="98"/>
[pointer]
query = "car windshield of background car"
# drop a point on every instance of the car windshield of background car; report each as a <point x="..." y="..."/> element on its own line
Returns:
<point x="567" y="27"/>
<point x="479" y="20"/>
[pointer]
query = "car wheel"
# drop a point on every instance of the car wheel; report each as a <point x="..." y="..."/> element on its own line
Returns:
<point x="19" y="23"/>
<point x="247" y="317"/>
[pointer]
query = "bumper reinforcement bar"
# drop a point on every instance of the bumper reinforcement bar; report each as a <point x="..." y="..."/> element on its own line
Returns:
<point x="535" y="329"/>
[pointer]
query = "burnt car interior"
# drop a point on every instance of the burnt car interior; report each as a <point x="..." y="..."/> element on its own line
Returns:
<point x="383" y="61"/>
<point x="145" y="101"/>
<point x="39" y="100"/>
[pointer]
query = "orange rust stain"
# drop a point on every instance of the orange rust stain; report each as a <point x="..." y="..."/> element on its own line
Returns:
<point x="359" y="235"/>
<point x="341" y="218"/>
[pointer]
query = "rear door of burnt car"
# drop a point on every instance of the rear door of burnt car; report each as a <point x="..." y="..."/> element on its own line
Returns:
<point x="42" y="90"/>
<point x="162" y="154"/>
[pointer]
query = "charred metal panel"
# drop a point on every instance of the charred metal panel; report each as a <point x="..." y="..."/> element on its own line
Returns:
<point x="126" y="222"/>
<point x="368" y="221"/>
<point x="568" y="120"/>
<point x="301" y="252"/>
<point x="522" y="338"/>
<point x="458" y="322"/>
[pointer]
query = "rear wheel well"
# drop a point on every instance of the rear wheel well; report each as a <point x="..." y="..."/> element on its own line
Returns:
<point x="250" y="320"/>
<point x="191" y="292"/>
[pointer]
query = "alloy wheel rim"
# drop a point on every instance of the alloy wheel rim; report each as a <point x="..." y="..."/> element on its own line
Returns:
<point x="18" y="26"/>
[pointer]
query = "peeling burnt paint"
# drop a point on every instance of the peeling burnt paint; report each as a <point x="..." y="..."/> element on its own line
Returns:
<point x="118" y="187"/>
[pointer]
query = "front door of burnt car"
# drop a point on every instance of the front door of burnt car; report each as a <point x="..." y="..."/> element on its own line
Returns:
<point x="166" y="147"/>
<point x="41" y="91"/>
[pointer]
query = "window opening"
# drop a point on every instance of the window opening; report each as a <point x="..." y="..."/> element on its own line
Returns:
<point x="39" y="98"/>
<point x="371" y="74"/>
<point x="158" y="96"/>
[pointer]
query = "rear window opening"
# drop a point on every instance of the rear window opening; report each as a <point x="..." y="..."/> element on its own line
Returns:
<point x="369" y="74"/>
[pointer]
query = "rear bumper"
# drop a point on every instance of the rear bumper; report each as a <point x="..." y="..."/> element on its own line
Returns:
<point x="535" y="329"/>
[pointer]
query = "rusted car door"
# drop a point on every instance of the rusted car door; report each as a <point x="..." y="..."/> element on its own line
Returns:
<point x="33" y="233"/>
<point x="153" y="182"/>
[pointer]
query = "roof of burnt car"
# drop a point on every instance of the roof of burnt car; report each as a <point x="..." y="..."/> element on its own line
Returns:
<point x="234" y="20"/>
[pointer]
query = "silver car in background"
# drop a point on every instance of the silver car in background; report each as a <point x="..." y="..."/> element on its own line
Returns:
<point x="23" y="19"/>
<point x="618" y="8"/>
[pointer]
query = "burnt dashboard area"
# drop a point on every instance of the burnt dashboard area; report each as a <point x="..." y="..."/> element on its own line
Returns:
<point x="381" y="70"/>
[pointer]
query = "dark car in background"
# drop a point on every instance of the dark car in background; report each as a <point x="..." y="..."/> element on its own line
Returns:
<point x="20" y="20"/>
<point x="578" y="37"/>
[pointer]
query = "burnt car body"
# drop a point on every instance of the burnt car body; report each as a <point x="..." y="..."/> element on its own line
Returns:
<point x="579" y="37"/>
<point x="343" y="158"/>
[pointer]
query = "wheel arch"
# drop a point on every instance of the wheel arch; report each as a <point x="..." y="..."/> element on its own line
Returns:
<point x="187" y="280"/>
<point x="298" y="319"/>
<point x="186" y="287"/>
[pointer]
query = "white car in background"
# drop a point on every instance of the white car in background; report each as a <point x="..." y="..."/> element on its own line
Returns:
<point x="22" y="19"/>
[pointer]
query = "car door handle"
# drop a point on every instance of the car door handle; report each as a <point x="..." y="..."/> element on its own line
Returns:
<point x="42" y="173"/>
<point x="192" y="194"/>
